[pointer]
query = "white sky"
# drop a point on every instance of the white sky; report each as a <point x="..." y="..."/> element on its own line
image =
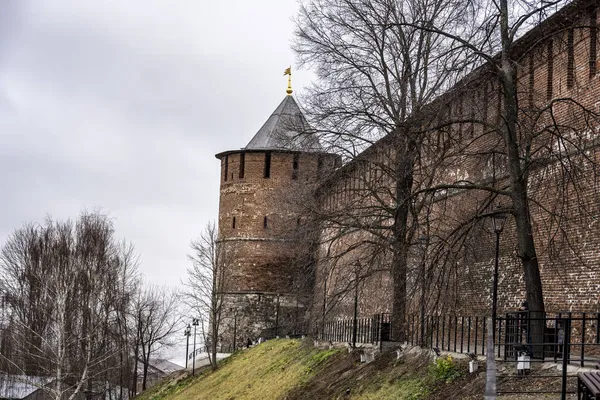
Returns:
<point x="121" y="105"/>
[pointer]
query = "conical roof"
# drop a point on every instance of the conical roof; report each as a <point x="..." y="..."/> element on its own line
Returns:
<point x="286" y="129"/>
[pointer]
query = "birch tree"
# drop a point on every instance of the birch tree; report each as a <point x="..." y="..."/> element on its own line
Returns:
<point x="65" y="283"/>
<point x="206" y="284"/>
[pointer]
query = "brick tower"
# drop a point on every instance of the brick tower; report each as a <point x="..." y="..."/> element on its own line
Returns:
<point x="265" y="242"/>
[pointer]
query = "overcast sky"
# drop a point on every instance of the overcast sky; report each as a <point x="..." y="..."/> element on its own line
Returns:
<point x="121" y="105"/>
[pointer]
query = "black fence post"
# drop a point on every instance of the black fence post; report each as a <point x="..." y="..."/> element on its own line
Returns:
<point x="462" y="332"/>
<point x="469" y="334"/>
<point x="555" y="348"/>
<point x="443" y="330"/>
<point x="598" y="328"/>
<point x="582" y="350"/>
<point x="476" y="326"/>
<point x="449" y="331"/>
<point x="483" y="337"/>
<point x="455" y="331"/>
<point x="565" y="355"/>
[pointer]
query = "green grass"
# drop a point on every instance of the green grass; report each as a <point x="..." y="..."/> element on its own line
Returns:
<point x="290" y="369"/>
<point x="268" y="371"/>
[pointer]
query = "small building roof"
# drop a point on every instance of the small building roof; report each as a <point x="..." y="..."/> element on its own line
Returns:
<point x="20" y="386"/>
<point x="286" y="129"/>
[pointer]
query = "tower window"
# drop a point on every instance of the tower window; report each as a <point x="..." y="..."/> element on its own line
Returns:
<point x="549" y="93"/>
<point x="267" y="164"/>
<point x="226" y="168"/>
<point x="233" y="223"/>
<point x="593" y="42"/>
<point x="242" y="164"/>
<point x="570" y="59"/>
<point x="265" y="222"/>
<point x="295" y="166"/>
<point x="319" y="163"/>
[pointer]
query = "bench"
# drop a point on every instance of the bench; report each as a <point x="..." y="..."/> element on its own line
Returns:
<point x="588" y="386"/>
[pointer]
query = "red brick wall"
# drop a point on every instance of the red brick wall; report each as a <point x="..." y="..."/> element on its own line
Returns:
<point x="460" y="259"/>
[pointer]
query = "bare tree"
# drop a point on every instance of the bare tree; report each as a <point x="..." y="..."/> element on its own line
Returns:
<point x="206" y="285"/>
<point x="64" y="283"/>
<point x="454" y="144"/>
<point x="374" y="70"/>
<point x="539" y="144"/>
<point x="155" y="320"/>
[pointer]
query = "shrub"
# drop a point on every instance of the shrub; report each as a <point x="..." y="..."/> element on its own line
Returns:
<point x="445" y="369"/>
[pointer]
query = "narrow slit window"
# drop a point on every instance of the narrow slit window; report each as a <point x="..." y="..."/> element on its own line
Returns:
<point x="267" y="165"/>
<point x="233" y="223"/>
<point x="226" y="168"/>
<point x="265" y="222"/>
<point x="593" y="42"/>
<point x="486" y="104"/>
<point x="472" y="115"/>
<point x="531" y="78"/>
<point x="460" y="117"/>
<point x="319" y="163"/>
<point x="242" y="164"/>
<point x="550" y="55"/>
<point x="295" y="164"/>
<point x="570" y="59"/>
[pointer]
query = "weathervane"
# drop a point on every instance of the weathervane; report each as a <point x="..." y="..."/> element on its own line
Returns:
<point x="288" y="72"/>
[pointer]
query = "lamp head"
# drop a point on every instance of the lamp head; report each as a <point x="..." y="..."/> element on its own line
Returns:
<point x="498" y="221"/>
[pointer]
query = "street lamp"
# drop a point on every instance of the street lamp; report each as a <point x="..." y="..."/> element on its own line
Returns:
<point x="498" y="221"/>
<point x="355" y="319"/>
<point x="423" y="239"/>
<point x="187" y="333"/>
<point x="195" y="322"/>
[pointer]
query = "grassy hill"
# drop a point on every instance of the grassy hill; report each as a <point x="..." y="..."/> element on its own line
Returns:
<point x="285" y="369"/>
<point x="294" y="370"/>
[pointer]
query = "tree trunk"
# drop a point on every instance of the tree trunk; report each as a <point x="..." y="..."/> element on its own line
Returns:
<point x="526" y="244"/>
<point x="213" y="342"/>
<point x="404" y="170"/>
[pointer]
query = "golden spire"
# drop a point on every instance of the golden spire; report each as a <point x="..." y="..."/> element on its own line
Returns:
<point x="288" y="72"/>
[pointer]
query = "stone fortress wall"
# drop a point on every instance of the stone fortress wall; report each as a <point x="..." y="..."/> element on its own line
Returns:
<point x="283" y="271"/>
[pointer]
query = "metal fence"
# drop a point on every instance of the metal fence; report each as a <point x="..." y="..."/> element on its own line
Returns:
<point x="375" y="329"/>
<point x="291" y="330"/>
<point x="466" y="334"/>
<point x="567" y="338"/>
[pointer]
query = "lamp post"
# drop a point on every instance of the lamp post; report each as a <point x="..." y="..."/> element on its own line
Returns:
<point x="423" y="239"/>
<point x="195" y="322"/>
<point x="355" y="319"/>
<point x="277" y="318"/>
<point x="498" y="221"/>
<point x="187" y="333"/>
